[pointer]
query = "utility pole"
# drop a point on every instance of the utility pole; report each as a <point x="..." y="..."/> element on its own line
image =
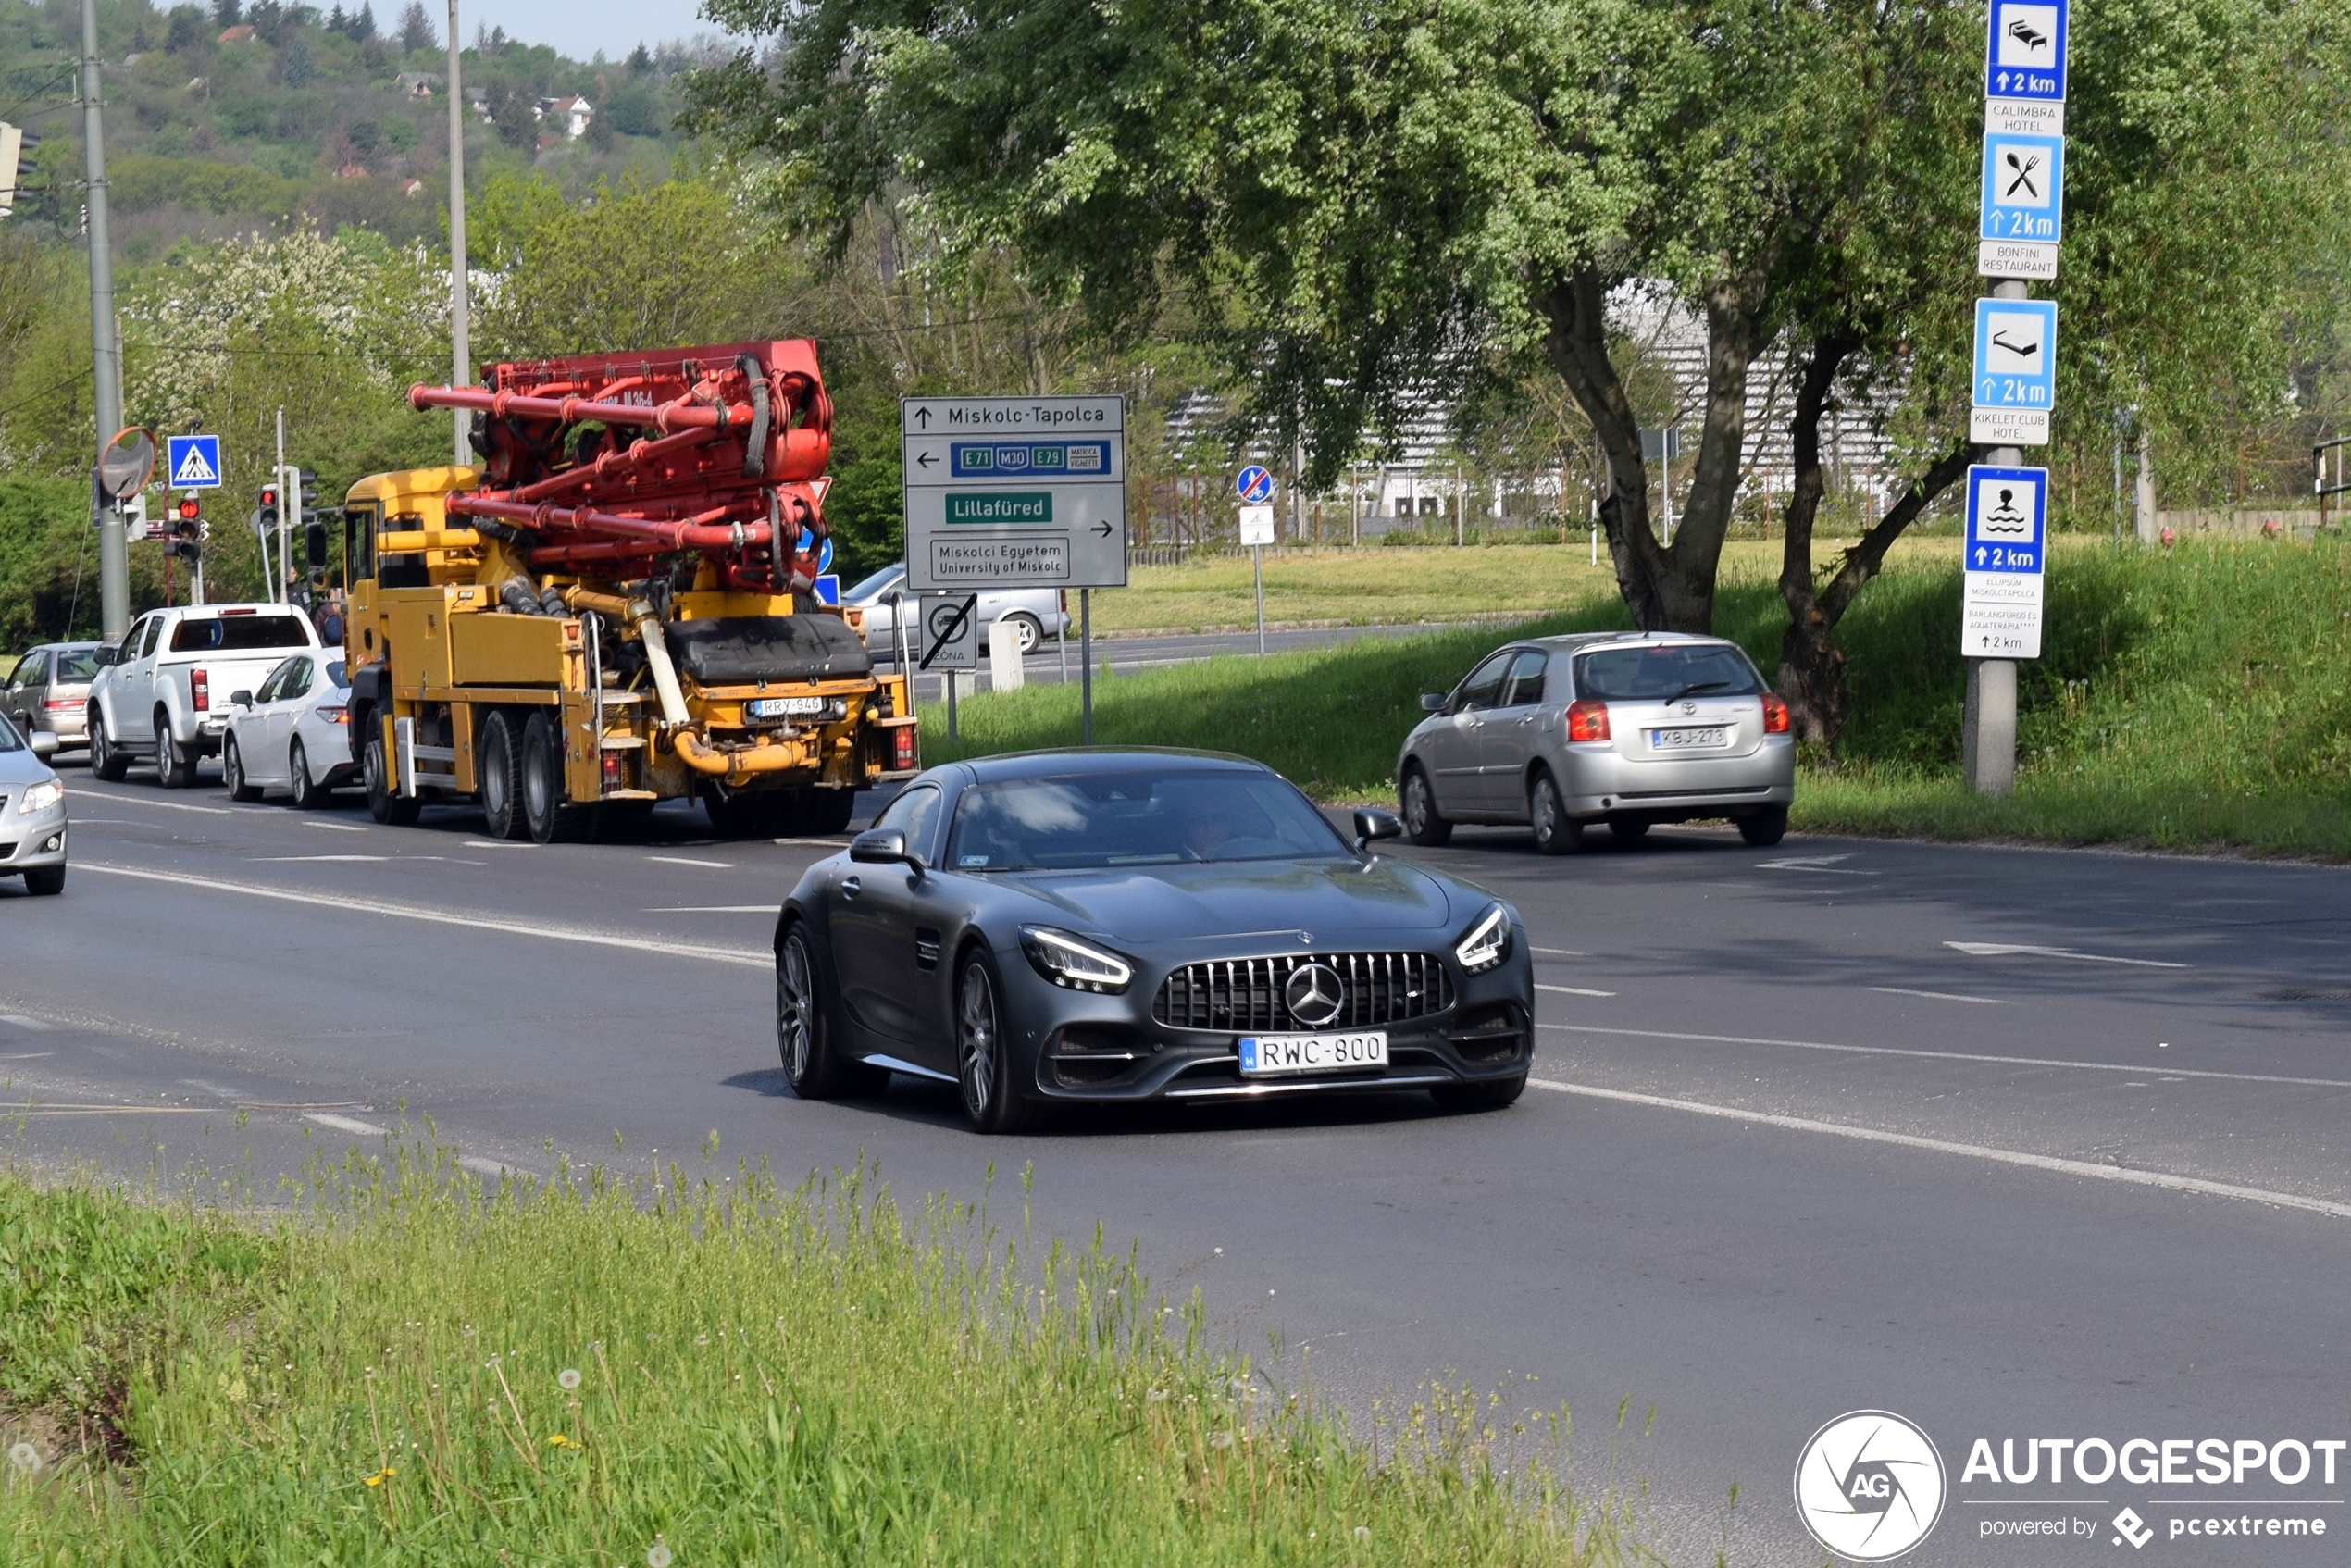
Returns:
<point x="105" y="357"/>
<point x="460" y="352"/>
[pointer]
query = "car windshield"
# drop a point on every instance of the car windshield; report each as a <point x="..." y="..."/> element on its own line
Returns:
<point x="1662" y="672"/>
<point x="236" y="633"/>
<point x="1097" y="820"/>
<point x="873" y="586"/>
<point x="78" y="663"/>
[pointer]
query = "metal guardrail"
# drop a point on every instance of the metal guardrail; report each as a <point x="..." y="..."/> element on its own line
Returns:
<point x="2331" y="467"/>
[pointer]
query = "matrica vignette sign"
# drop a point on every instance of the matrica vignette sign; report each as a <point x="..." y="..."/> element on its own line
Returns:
<point x="1015" y="491"/>
<point x="2008" y="511"/>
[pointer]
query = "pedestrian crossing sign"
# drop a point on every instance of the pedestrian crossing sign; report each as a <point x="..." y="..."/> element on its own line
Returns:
<point x="194" y="463"/>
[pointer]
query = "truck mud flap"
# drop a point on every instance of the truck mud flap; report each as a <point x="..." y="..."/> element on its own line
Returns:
<point x="734" y="650"/>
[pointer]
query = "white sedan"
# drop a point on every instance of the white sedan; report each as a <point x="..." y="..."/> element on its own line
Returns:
<point x="289" y="732"/>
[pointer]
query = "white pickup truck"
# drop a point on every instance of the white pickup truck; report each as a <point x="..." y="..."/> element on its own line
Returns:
<point x="163" y="691"/>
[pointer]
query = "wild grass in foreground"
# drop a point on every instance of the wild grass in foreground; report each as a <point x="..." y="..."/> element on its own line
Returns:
<point x="414" y="1370"/>
<point x="2199" y="698"/>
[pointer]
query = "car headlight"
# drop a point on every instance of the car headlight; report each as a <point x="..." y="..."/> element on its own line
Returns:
<point x="1488" y="942"/>
<point x="1066" y="961"/>
<point x="41" y="797"/>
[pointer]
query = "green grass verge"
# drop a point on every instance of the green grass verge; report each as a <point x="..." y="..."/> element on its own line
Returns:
<point x="2200" y="698"/>
<point x="412" y="1370"/>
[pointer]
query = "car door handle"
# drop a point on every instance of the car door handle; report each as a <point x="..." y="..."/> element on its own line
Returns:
<point x="1529" y="718"/>
<point x="851" y="886"/>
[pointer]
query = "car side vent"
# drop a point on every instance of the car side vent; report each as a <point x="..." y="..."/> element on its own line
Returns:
<point x="1243" y="994"/>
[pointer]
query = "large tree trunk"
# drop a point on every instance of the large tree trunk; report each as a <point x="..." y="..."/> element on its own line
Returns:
<point x="1668" y="589"/>
<point x="1811" y="674"/>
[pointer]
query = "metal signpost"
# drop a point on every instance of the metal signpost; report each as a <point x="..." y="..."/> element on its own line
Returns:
<point x="1018" y="493"/>
<point x="1255" y="487"/>
<point x="2021" y="222"/>
<point x="949" y="636"/>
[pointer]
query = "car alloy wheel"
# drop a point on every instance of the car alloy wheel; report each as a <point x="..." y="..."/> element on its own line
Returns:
<point x="232" y="771"/>
<point x="1422" y="822"/>
<point x="308" y="795"/>
<point x="1555" y="831"/>
<point x="795" y="1013"/>
<point x="1030" y="631"/>
<point x="104" y="759"/>
<point x="975" y="1044"/>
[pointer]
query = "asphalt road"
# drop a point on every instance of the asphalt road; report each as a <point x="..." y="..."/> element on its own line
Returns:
<point x="2018" y="1144"/>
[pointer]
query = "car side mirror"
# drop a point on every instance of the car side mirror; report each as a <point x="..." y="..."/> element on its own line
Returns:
<point x="99" y="656"/>
<point x="883" y="846"/>
<point x="45" y="744"/>
<point x="1431" y="702"/>
<point x="240" y="698"/>
<point x="1371" y="824"/>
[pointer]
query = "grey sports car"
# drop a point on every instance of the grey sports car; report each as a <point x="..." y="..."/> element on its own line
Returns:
<point x="1103" y="926"/>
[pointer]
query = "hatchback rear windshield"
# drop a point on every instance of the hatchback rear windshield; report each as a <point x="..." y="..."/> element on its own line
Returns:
<point x="1663" y="672"/>
<point x="1097" y="820"/>
<point x="231" y="634"/>
<point x="80" y="665"/>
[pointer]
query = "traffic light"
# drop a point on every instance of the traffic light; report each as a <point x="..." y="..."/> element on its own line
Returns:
<point x="16" y="162"/>
<point x="189" y="530"/>
<point x="266" y="518"/>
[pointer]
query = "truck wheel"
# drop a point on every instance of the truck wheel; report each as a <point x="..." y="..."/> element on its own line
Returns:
<point x="803" y="1029"/>
<point x="391" y="810"/>
<point x="826" y="812"/>
<point x="549" y="816"/>
<point x="766" y="814"/>
<point x="106" y="760"/>
<point x="497" y="768"/>
<point x="175" y="764"/>
<point x="232" y="772"/>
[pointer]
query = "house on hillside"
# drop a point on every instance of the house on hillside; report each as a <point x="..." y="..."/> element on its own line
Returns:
<point x="239" y="34"/>
<point x="415" y="84"/>
<point x="571" y="114"/>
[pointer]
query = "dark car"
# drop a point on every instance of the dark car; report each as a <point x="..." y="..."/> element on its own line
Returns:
<point x="1099" y="927"/>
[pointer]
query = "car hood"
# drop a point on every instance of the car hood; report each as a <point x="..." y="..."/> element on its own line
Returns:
<point x="1337" y="903"/>
<point x="22" y="768"/>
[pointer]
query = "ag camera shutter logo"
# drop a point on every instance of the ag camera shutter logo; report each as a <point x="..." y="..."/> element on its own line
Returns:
<point x="1870" y="1486"/>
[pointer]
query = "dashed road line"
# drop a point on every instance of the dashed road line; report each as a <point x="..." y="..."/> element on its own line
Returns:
<point x="681" y="860"/>
<point x="1937" y="996"/>
<point x="1574" y="990"/>
<point x="2005" y="950"/>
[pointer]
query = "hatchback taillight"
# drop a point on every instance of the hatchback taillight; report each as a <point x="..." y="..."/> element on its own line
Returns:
<point x="1774" y="716"/>
<point x="200" y="691"/>
<point x="1586" y="720"/>
<point x="57" y="704"/>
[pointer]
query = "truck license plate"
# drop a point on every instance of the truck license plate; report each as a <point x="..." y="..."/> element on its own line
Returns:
<point x="1685" y="740"/>
<point x="1278" y="1056"/>
<point x="786" y="708"/>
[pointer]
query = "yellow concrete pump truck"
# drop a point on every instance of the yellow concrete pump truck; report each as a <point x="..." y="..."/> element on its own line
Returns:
<point x="616" y="608"/>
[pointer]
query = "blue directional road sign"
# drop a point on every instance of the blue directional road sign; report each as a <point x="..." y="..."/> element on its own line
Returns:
<point x="2024" y="189"/>
<point x="2015" y="372"/>
<point x="2024" y="50"/>
<point x="1253" y="484"/>
<point x="2007" y="514"/>
<point x="193" y="463"/>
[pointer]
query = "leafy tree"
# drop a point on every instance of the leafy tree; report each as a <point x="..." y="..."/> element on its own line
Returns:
<point x="363" y="23"/>
<point x="225" y="13"/>
<point x="416" y="29"/>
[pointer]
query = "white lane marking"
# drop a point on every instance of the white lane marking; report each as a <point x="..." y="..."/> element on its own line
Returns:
<point x="482" y="1165"/>
<point x="819" y="843"/>
<point x="1970" y="1150"/>
<point x="1937" y="996"/>
<point x="110" y="1110"/>
<point x="441" y="917"/>
<point x="142" y="800"/>
<point x="1574" y="990"/>
<point x="210" y="1087"/>
<point x="1559" y="953"/>
<point x="346" y="1124"/>
<point x="1952" y="1055"/>
<point x="28" y="1056"/>
<point x="24" y="1021"/>
<point x="716" y="909"/>
<point x="498" y="844"/>
<point x="681" y="860"/>
<point x="2002" y="950"/>
<point x="337" y="826"/>
<point x="1825" y="864"/>
<point x="269" y="859"/>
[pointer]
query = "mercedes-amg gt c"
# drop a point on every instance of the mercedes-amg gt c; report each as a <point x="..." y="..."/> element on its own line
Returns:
<point x="1102" y="925"/>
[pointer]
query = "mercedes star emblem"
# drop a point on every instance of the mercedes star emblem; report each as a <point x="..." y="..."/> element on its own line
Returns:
<point x="1316" y="994"/>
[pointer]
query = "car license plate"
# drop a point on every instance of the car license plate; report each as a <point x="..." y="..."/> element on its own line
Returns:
<point x="1687" y="740"/>
<point x="1278" y="1056"/>
<point x="786" y="708"/>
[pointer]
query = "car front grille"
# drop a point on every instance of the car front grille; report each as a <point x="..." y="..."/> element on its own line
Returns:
<point x="1244" y="994"/>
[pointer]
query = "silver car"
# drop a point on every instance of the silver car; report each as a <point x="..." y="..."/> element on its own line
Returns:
<point x="1035" y="612"/>
<point x="48" y="695"/>
<point x="32" y="817"/>
<point x="1628" y="728"/>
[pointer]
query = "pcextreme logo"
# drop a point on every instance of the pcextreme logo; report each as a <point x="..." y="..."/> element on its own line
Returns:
<point x="1870" y="1486"/>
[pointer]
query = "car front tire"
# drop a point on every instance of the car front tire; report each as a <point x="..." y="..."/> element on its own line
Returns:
<point x="1416" y="804"/>
<point x="1555" y="831"/>
<point x="232" y="771"/>
<point x="46" y="881"/>
<point x="1764" y="827"/>
<point x="992" y="1101"/>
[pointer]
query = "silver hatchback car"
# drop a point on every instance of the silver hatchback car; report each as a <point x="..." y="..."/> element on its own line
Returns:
<point x="1628" y="728"/>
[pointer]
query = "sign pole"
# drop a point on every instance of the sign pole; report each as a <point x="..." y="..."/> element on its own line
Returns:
<point x="278" y="581"/>
<point x="1085" y="666"/>
<point x="1257" y="571"/>
<point x="950" y="704"/>
<point x="459" y="305"/>
<point x="105" y="354"/>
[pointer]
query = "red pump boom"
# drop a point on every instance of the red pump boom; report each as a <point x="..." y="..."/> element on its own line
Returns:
<point x="598" y="458"/>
